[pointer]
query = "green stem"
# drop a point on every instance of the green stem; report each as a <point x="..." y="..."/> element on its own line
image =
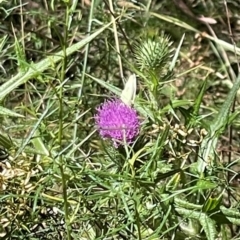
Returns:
<point x="60" y="133"/>
<point x="80" y="92"/>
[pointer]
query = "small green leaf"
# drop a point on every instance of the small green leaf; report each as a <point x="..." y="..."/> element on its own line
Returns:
<point x="212" y="204"/>
<point x="5" y="142"/>
<point x="203" y="184"/>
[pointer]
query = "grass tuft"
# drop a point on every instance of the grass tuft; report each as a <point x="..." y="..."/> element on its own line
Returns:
<point x="178" y="178"/>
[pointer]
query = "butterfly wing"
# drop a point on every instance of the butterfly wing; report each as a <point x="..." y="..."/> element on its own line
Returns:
<point x="129" y="92"/>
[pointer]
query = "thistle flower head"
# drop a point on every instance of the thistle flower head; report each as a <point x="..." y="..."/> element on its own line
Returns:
<point x="153" y="53"/>
<point x="117" y="121"/>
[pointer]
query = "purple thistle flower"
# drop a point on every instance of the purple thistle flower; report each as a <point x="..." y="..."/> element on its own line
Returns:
<point x="117" y="121"/>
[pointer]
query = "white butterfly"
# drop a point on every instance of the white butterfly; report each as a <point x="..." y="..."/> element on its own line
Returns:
<point x="129" y="92"/>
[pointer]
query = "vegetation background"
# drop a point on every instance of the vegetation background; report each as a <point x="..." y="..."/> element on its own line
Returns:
<point x="59" y="60"/>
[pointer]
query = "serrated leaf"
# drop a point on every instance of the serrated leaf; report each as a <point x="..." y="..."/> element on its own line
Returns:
<point x="208" y="226"/>
<point x="206" y="222"/>
<point x="185" y="204"/>
<point x="230" y="212"/>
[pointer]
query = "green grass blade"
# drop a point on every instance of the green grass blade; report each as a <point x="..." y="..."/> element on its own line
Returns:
<point x="173" y="63"/>
<point x="177" y="22"/>
<point x="5" y="142"/>
<point x="7" y="112"/>
<point x="196" y="106"/>
<point x="37" y="68"/>
<point x="218" y="125"/>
